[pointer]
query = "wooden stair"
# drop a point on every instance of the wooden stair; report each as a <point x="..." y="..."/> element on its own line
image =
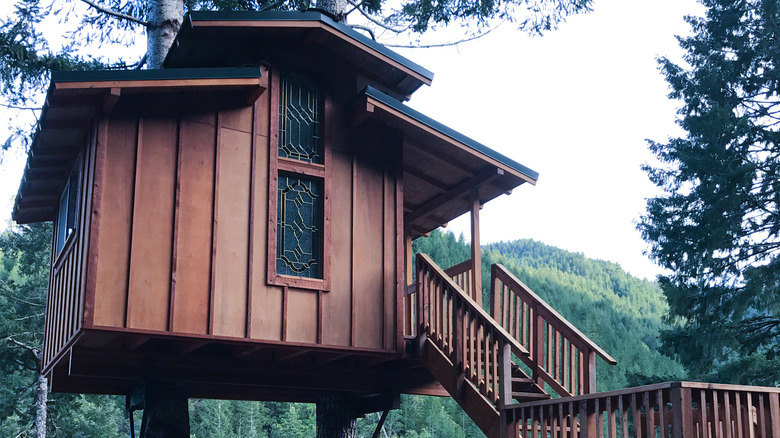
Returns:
<point x="472" y="354"/>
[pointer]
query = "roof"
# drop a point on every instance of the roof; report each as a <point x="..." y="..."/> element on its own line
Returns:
<point x="231" y="32"/>
<point x="76" y="98"/>
<point x="441" y="166"/>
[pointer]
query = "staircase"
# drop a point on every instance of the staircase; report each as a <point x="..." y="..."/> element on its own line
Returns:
<point x="493" y="364"/>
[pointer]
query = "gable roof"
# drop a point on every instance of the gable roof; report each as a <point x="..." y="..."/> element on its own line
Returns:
<point x="227" y="31"/>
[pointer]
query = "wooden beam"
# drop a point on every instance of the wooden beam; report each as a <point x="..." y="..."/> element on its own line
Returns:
<point x="426" y="178"/>
<point x="476" y="251"/>
<point x="110" y="99"/>
<point x="456" y="192"/>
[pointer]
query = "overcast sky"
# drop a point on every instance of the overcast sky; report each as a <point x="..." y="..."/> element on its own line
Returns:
<point x="575" y="105"/>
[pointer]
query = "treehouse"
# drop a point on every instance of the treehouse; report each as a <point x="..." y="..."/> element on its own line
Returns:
<point x="240" y="223"/>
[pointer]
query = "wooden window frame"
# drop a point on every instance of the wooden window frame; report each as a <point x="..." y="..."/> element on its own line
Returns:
<point x="277" y="164"/>
<point x="60" y="249"/>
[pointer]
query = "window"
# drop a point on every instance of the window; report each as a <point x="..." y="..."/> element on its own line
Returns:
<point x="66" y="214"/>
<point x="298" y="187"/>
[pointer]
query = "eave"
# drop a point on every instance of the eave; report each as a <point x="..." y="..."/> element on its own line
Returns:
<point x="442" y="167"/>
<point x="76" y="98"/>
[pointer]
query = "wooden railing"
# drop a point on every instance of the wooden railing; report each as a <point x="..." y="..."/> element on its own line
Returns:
<point x="65" y="300"/>
<point x="471" y="339"/>
<point x="672" y="409"/>
<point x="462" y="275"/>
<point x="560" y="355"/>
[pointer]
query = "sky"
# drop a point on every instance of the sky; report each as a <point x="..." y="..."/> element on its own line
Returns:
<point x="575" y="105"/>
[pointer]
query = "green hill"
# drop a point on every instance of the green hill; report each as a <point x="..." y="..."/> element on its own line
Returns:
<point x="619" y="312"/>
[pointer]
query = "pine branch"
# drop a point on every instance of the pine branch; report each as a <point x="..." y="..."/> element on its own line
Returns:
<point x="116" y="14"/>
<point x="374" y="20"/>
<point x="31" y="349"/>
<point x="447" y="44"/>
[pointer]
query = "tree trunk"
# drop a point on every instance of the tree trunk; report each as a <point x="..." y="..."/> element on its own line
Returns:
<point x="165" y="17"/>
<point x="40" y="407"/>
<point x="336" y="416"/>
<point x="338" y="8"/>
<point x="166" y="411"/>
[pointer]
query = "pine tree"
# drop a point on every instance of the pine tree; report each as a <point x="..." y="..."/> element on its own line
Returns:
<point x="716" y="227"/>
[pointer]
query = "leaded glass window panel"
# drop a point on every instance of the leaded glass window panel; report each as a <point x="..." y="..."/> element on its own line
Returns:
<point x="299" y="119"/>
<point x="299" y="229"/>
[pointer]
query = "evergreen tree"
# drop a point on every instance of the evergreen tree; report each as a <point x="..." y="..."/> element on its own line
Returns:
<point x="716" y="227"/>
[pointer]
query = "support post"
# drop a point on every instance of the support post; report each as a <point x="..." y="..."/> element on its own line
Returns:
<point x="166" y="411"/>
<point x="336" y="416"/>
<point x="682" y="407"/>
<point x="476" y="252"/>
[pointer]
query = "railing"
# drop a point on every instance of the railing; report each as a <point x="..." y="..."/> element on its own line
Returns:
<point x="463" y="331"/>
<point x="65" y="300"/>
<point x="462" y="275"/>
<point x="672" y="409"/>
<point x="560" y="355"/>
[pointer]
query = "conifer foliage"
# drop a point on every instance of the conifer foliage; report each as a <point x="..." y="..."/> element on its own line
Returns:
<point x="717" y="225"/>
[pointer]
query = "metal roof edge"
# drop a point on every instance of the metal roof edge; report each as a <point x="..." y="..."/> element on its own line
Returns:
<point x="310" y="15"/>
<point x="156" y="74"/>
<point x="449" y="132"/>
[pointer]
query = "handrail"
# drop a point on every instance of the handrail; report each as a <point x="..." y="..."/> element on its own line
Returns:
<point x="461" y="274"/>
<point x="517" y="348"/>
<point x="583" y="339"/>
<point x="677" y="409"/>
<point x="476" y="345"/>
<point x="561" y="355"/>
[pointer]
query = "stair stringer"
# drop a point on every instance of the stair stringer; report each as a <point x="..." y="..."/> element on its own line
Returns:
<point x="474" y="404"/>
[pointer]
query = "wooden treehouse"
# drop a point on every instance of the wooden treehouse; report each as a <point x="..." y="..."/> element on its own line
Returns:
<point x="240" y="223"/>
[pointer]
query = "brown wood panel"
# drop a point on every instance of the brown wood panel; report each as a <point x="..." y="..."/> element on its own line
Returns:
<point x="389" y="277"/>
<point x="239" y="119"/>
<point x="151" y="244"/>
<point x="301" y="316"/>
<point x="195" y="193"/>
<point x="266" y="300"/>
<point x="368" y="282"/>
<point x="336" y="325"/>
<point x="116" y="207"/>
<point x="231" y="262"/>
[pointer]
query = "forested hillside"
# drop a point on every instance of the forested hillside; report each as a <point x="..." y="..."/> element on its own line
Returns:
<point x="619" y="312"/>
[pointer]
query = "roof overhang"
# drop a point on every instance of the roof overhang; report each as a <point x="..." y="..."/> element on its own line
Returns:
<point x="76" y="98"/>
<point x="441" y="166"/>
<point x="239" y="29"/>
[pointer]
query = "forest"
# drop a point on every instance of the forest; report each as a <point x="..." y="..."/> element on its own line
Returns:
<point x="621" y="313"/>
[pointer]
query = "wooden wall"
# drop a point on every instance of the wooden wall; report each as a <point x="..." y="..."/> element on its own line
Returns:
<point x="181" y="241"/>
<point x="67" y="280"/>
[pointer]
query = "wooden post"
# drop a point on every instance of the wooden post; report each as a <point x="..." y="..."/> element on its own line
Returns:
<point x="682" y="406"/>
<point x="166" y="411"/>
<point x="476" y="253"/>
<point x="590" y="373"/>
<point x="409" y="303"/>
<point x="538" y="352"/>
<point x="336" y="416"/>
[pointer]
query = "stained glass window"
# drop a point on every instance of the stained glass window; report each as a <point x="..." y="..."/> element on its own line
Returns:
<point x="299" y="230"/>
<point x="299" y="119"/>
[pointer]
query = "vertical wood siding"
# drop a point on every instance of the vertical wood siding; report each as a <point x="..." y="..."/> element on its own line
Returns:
<point x="183" y="235"/>
<point x="65" y="301"/>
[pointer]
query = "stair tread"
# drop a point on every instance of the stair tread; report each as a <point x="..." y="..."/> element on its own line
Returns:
<point x="533" y="395"/>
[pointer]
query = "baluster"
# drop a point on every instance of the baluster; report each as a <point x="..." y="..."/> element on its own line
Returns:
<point x="649" y="415"/>
<point x="727" y="413"/>
<point x="623" y="417"/>
<point x="661" y="409"/>
<point x="717" y="429"/>
<point x="635" y="410"/>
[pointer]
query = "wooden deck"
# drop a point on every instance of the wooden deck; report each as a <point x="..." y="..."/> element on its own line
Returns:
<point x="672" y="409"/>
